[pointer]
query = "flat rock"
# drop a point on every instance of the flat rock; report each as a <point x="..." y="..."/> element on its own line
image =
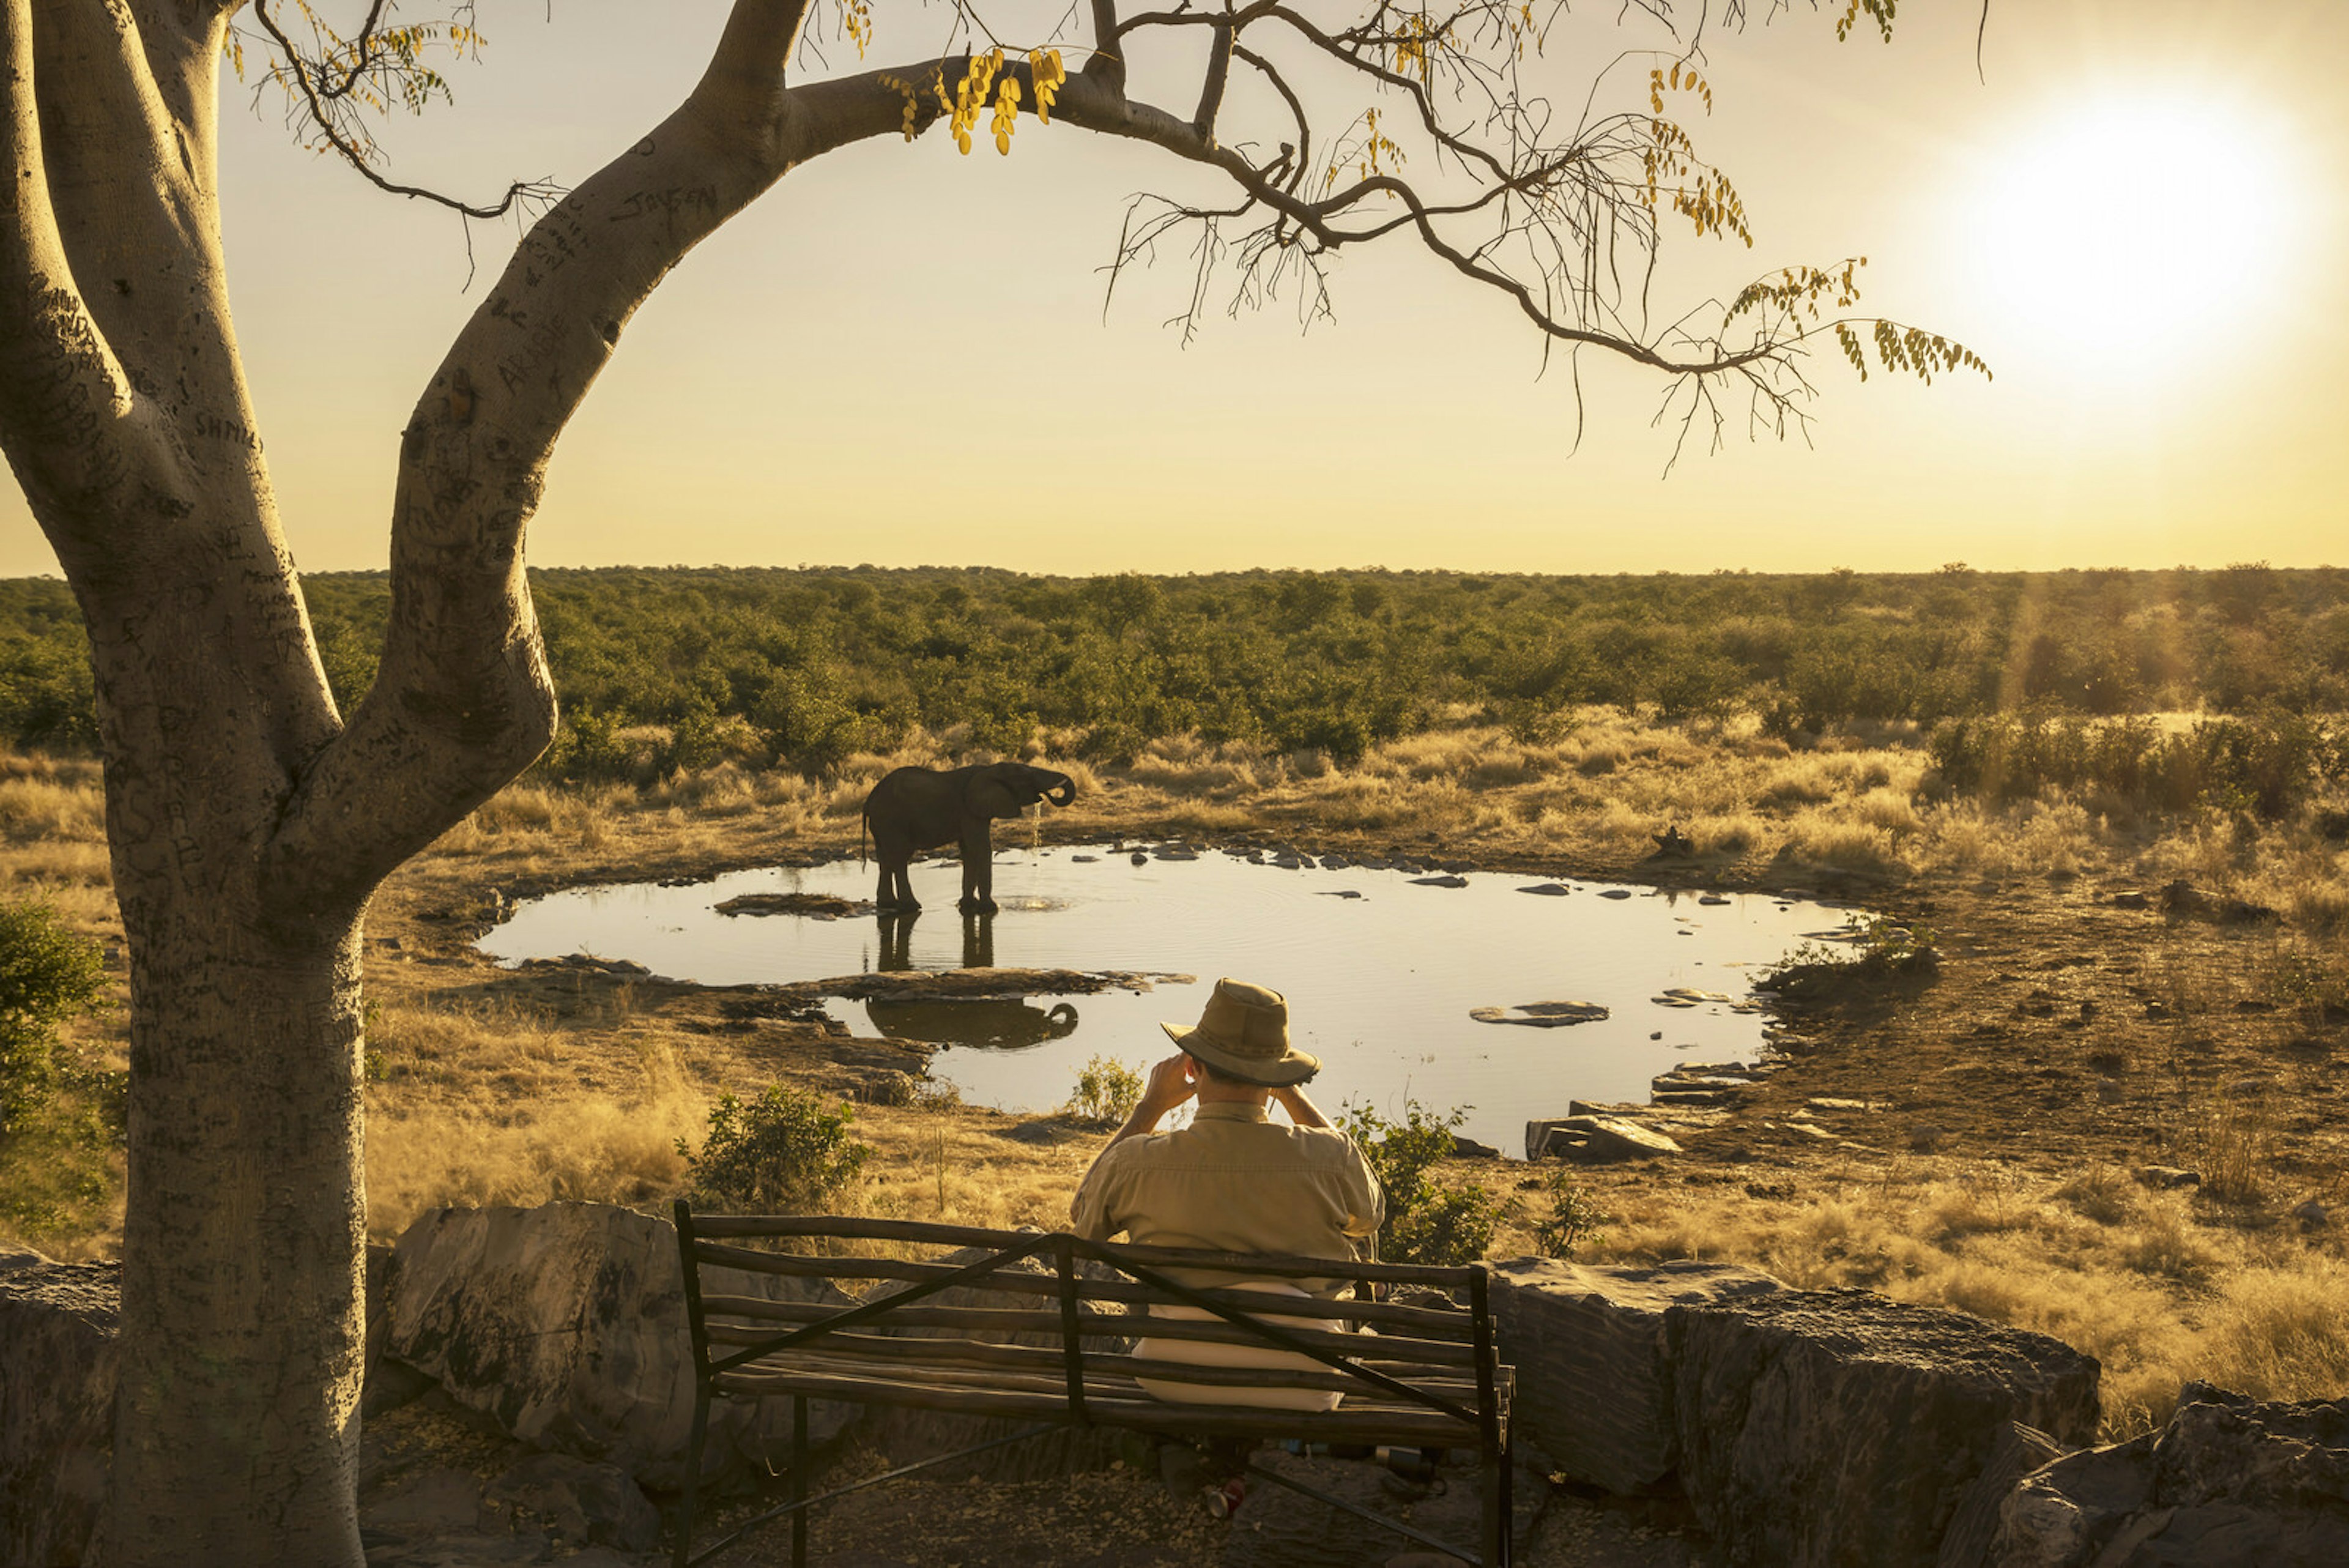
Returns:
<point x="58" y="1365"/>
<point x="1828" y="1427"/>
<point x="916" y="985"/>
<point x="1541" y="1015"/>
<point x="1614" y="892"/>
<point x="1547" y="890"/>
<point x="816" y="906"/>
<point x="1594" y="1390"/>
<point x="1448" y="880"/>
<point x="2231" y="1481"/>
<point x="1597" y="1137"/>
<point x="564" y="1325"/>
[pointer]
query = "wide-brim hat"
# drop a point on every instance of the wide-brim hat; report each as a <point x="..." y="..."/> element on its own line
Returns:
<point x="1244" y="1034"/>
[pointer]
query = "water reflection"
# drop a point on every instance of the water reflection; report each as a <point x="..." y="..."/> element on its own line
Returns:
<point x="896" y="941"/>
<point x="896" y="928"/>
<point x="999" y="1023"/>
<point x="1387" y="972"/>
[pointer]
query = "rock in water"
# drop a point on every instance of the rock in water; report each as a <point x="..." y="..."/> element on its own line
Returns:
<point x="1594" y="1137"/>
<point x="58" y="1365"/>
<point x="820" y="905"/>
<point x="1547" y="890"/>
<point x="1541" y="1015"/>
<point x="1821" y="1427"/>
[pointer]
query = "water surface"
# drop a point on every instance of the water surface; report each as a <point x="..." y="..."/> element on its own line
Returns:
<point x="1381" y="972"/>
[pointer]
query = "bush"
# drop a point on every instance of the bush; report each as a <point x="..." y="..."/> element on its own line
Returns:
<point x="1425" y="1222"/>
<point x="1107" y="1092"/>
<point x="49" y="974"/>
<point x="1574" y="1217"/>
<point x="783" y="1153"/>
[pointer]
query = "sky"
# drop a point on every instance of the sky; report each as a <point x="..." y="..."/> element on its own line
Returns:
<point x="903" y="356"/>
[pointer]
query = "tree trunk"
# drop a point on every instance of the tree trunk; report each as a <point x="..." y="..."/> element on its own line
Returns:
<point x="241" y="1332"/>
<point x="237" y="1425"/>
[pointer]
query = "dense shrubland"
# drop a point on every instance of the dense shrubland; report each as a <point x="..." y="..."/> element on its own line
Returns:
<point x="2022" y="680"/>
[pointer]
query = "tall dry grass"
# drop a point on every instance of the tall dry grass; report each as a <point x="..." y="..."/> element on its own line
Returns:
<point x="2134" y="1277"/>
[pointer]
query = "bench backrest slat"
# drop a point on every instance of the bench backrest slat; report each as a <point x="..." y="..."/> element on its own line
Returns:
<point x="1267" y="1265"/>
<point x="1438" y="1353"/>
<point x="995" y="1353"/>
<point x="1438" y="1321"/>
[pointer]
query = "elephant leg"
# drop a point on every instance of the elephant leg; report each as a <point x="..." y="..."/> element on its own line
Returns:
<point x="896" y="890"/>
<point x="978" y="868"/>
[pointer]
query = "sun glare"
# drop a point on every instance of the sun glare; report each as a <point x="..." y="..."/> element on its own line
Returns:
<point x="2125" y="237"/>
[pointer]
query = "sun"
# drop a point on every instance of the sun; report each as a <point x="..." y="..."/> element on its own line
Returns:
<point x="2122" y="236"/>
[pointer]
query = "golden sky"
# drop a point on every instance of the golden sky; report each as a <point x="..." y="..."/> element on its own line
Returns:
<point x="901" y="356"/>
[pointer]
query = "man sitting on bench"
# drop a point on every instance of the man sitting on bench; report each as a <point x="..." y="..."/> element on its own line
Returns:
<point x="1235" y="1180"/>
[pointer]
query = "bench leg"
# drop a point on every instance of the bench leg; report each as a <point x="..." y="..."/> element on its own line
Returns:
<point x="799" y="1480"/>
<point x="693" y="1448"/>
<point x="1499" y="1483"/>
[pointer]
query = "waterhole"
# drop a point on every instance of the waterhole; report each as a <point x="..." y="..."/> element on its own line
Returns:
<point x="1381" y="969"/>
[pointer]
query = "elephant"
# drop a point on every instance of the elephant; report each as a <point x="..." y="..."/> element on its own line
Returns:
<point x="920" y="808"/>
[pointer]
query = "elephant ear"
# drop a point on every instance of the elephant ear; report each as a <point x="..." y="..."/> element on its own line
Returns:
<point x="991" y="796"/>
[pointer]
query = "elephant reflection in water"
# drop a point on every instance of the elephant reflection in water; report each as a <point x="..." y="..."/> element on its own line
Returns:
<point x="897" y="940"/>
<point x="1005" y="1022"/>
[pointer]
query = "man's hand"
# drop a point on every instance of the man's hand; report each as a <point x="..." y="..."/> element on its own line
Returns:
<point x="1302" y="1111"/>
<point x="1170" y="1083"/>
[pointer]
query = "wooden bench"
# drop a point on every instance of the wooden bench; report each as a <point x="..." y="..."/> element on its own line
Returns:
<point x="1427" y="1376"/>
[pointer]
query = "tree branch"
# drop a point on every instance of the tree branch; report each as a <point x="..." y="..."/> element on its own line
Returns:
<point x="521" y="195"/>
<point x="462" y="699"/>
<point x="74" y="430"/>
<point x="1211" y="90"/>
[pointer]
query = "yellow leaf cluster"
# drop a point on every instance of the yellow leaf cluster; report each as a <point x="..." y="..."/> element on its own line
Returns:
<point x="912" y="103"/>
<point x="1417" y="41"/>
<point x="971" y="94"/>
<point x="1881" y="11"/>
<point x="1045" y="68"/>
<point x="1921" y="353"/>
<point x="1681" y="79"/>
<point x="1007" y="114"/>
<point x="985" y="84"/>
<point x="1377" y="144"/>
<point x="856" y="21"/>
<point x="1802" y="288"/>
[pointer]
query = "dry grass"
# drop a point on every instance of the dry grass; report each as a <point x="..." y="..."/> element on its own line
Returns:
<point x="2156" y="1290"/>
<point x="479" y="1100"/>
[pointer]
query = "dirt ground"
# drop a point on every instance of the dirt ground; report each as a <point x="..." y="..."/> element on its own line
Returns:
<point x="2079" y="1028"/>
<point x="2068" y="1024"/>
<point x="2071" y="1020"/>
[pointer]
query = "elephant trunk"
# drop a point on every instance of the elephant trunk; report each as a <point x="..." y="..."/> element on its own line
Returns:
<point x="1062" y="793"/>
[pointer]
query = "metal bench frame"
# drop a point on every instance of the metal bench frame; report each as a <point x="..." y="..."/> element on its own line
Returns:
<point x="1453" y="1419"/>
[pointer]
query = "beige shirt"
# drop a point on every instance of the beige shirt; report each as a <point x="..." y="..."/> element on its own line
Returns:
<point x="1234" y="1181"/>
